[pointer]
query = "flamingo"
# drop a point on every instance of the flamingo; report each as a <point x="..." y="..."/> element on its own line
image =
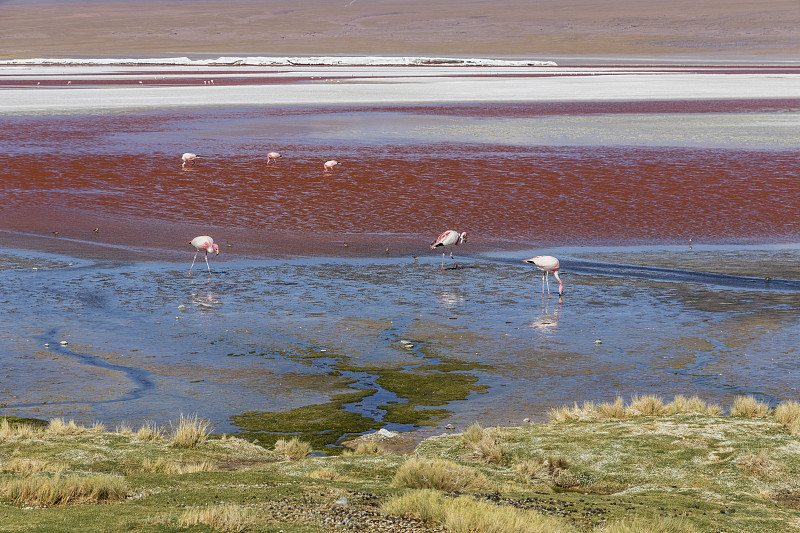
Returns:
<point x="188" y="158"/>
<point x="328" y="166"/>
<point x="449" y="238"/>
<point x="272" y="156"/>
<point x="203" y="243"/>
<point x="547" y="264"/>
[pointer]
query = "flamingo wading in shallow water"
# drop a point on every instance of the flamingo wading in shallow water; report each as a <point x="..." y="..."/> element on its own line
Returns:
<point x="272" y="156"/>
<point x="203" y="243"/>
<point x="188" y="158"/>
<point x="547" y="264"/>
<point x="328" y="166"/>
<point x="449" y="238"/>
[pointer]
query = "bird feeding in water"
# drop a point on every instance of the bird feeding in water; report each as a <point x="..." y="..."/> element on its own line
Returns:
<point x="203" y="243"/>
<point x="272" y="156"/>
<point x="188" y="158"/>
<point x="547" y="264"/>
<point x="328" y="166"/>
<point x="449" y="238"/>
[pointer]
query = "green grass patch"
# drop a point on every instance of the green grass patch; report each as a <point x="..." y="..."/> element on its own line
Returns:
<point x="608" y="470"/>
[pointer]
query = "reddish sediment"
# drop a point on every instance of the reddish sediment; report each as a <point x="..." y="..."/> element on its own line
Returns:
<point x="72" y="174"/>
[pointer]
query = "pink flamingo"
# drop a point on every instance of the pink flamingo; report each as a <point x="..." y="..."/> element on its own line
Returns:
<point x="272" y="156"/>
<point x="203" y="243"/>
<point x="188" y="158"/>
<point x="547" y="264"/>
<point x="328" y="166"/>
<point x="449" y="238"/>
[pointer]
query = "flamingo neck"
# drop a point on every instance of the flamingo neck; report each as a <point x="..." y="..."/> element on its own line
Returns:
<point x="560" y="285"/>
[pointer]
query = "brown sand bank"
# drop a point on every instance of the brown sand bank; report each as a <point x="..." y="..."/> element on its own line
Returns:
<point x="719" y="29"/>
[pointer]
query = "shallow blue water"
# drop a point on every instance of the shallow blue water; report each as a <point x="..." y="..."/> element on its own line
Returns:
<point x="145" y="341"/>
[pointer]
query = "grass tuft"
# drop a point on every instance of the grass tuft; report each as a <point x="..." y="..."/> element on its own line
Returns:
<point x="165" y="466"/>
<point x="369" y="447"/>
<point x="692" y="405"/>
<point x="228" y="518"/>
<point x="573" y="414"/>
<point x="60" y="427"/>
<point x="614" y="410"/>
<point x="149" y="432"/>
<point x="488" y="448"/>
<point x="325" y="473"/>
<point x="9" y="431"/>
<point x="427" y="505"/>
<point x="788" y="414"/>
<point x="759" y="465"/>
<point x="472" y="435"/>
<point x="468" y="515"/>
<point x="25" y="467"/>
<point x="293" y="449"/>
<point x="749" y="407"/>
<point x="190" y="432"/>
<point x="124" y="429"/>
<point x="648" y="405"/>
<point x="58" y="490"/>
<point x="98" y="427"/>
<point x="439" y="474"/>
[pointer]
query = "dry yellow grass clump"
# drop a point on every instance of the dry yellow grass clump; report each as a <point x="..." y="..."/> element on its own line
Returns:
<point x="190" y="431"/>
<point x="788" y="414"/>
<point x="17" y="431"/>
<point x="749" y="407"/>
<point x="647" y="405"/>
<point x="149" y="432"/>
<point x="28" y="466"/>
<point x="484" y="444"/>
<point x="293" y="449"/>
<point x="62" y="490"/>
<point x="227" y="517"/>
<point x="468" y="515"/>
<point x="439" y="474"/>
<point x="165" y="466"/>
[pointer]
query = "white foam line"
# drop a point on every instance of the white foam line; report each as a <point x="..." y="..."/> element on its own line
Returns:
<point x="287" y="61"/>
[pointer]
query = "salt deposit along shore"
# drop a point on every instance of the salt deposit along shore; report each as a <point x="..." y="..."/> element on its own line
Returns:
<point x="35" y="89"/>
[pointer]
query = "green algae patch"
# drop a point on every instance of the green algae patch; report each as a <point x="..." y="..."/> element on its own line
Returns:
<point x="421" y="388"/>
<point x="18" y="420"/>
<point x="321" y="425"/>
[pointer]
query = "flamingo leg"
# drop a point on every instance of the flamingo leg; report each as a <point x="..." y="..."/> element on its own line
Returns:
<point x="453" y="258"/>
<point x="193" y="260"/>
<point x="207" y="265"/>
<point x="442" y="261"/>
<point x="547" y="278"/>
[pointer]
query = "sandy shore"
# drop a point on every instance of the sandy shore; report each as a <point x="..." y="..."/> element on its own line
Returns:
<point x="546" y="29"/>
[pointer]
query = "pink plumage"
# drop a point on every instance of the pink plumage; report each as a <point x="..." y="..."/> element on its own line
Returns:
<point x="547" y="264"/>
<point x="188" y="158"/>
<point x="449" y="239"/>
<point x="203" y="243"/>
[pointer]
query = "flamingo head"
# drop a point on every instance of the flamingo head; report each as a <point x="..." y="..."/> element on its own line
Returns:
<point x="216" y="248"/>
<point x="462" y="238"/>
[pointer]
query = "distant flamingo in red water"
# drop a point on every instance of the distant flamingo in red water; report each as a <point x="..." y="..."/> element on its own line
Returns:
<point x="272" y="156"/>
<point x="449" y="238"/>
<point x="547" y="264"/>
<point x="328" y="166"/>
<point x="203" y="243"/>
<point x="188" y="158"/>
